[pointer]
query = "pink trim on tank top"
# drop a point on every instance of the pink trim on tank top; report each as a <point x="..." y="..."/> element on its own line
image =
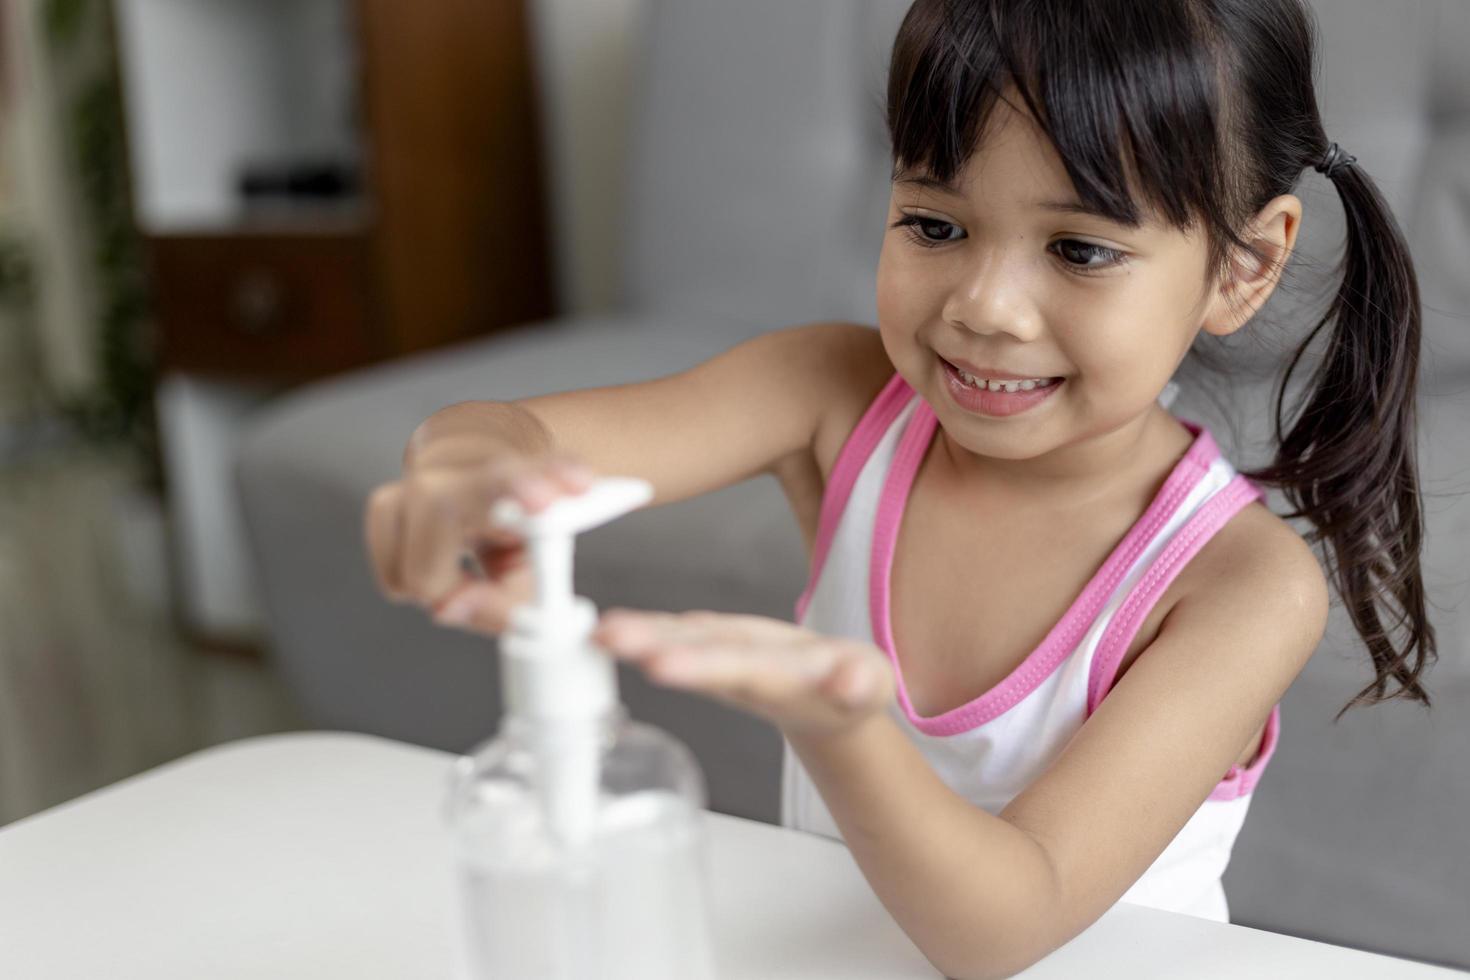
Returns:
<point x="1240" y="782"/>
<point x="854" y="453"/>
<point x="1042" y="662"/>
<point x="1220" y="508"/>
<point x="1126" y="622"/>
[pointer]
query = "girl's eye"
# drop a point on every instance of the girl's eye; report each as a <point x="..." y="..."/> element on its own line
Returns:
<point x="918" y="227"/>
<point x="1077" y="255"/>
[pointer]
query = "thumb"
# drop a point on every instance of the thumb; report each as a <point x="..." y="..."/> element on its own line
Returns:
<point x="479" y="607"/>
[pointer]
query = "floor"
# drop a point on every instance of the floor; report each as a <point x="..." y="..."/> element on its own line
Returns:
<point x="95" y="683"/>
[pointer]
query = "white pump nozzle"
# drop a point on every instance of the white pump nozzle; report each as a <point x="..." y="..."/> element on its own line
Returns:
<point x="551" y="532"/>
<point x="553" y="676"/>
<point x="608" y="497"/>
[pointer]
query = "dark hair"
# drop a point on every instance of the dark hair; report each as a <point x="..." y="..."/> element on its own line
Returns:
<point x="1207" y="108"/>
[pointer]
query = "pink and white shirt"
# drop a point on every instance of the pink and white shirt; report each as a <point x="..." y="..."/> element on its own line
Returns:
<point x="989" y="749"/>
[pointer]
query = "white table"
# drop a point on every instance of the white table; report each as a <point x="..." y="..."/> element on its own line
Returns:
<point x="322" y="856"/>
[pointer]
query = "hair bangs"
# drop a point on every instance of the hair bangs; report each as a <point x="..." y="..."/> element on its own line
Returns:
<point x="1120" y="88"/>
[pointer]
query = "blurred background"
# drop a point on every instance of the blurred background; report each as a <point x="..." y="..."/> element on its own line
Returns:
<point x="247" y="245"/>
<point x="203" y="204"/>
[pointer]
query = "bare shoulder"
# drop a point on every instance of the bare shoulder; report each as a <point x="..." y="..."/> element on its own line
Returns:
<point x="846" y="366"/>
<point x="859" y="368"/>
<point x="1258" y="544"/>
<point x="1258" y="567"/>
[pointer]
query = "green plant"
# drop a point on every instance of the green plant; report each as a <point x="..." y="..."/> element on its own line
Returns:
<point x="121" y="407"/>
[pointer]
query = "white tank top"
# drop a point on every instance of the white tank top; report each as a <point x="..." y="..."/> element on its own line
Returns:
<point x="989" y="749"/>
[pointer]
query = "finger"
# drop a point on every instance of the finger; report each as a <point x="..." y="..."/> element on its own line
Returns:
<point x="477" y="607"/>
<point x="445" y="513"/>
<point x="468" y="495"/>
<point x="534" y="491"/>
<point x="637" y="630"/>
<point x="473" y="495"/>
<point x="570" y="470"/>
<point x="759" y="676"/>
<point x="429" y="557"/>
<point x="632" y="633"/>
<point x="636" y="634"/>
<point x="381" y="525"/>
<point x="547" y="479"/>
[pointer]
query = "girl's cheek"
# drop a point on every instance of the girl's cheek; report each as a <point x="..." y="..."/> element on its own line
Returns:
<point x="906" y="297"/>
<point x="889" y="291"/>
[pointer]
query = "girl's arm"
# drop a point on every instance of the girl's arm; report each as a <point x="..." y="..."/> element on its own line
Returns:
<point x="985" y="896"/>
<point x="747" y="411"/>
<point x="730" y="418"/>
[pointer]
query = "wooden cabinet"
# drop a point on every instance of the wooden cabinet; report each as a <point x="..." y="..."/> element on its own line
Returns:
<point x="266" y="305"/>
<point x="431" y="106"/>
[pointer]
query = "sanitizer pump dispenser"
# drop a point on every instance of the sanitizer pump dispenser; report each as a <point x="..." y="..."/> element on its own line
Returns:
<point x="577" y="832"/>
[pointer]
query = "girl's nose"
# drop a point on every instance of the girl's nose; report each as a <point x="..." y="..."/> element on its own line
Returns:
<point x="991" y="298"/>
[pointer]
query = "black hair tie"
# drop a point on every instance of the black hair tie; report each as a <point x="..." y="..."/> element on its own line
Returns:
<point x="1333" y="161"/>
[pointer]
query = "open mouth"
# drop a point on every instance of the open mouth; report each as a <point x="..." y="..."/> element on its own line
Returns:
<point x="1008" y="397"/>
<point x="1000" y="386"/>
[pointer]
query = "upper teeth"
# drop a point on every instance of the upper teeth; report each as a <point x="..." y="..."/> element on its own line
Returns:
<point x="1025" y="385"/>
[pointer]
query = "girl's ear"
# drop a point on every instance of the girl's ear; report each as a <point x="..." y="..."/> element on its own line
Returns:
<point x="1252" y="278"/>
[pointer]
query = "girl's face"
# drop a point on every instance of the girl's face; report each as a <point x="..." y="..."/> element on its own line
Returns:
<point x="999" y="272"/>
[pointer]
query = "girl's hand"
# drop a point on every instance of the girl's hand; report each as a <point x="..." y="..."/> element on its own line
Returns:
<point x="432" y="541"/>
<point x="801" y="681"/>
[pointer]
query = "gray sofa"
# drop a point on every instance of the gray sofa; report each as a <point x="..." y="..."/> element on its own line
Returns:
<point x="756" y="199"/>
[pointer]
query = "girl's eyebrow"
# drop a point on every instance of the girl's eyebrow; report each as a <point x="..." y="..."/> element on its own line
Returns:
<point x="1061" y="207"/>
<point x="933" y="183"/>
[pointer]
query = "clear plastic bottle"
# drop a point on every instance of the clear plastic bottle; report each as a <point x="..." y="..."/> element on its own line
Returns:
<point x="578" y="832"/>
<point x="628" y="902"/>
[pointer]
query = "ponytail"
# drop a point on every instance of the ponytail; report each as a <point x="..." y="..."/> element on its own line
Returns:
<point x="1348" y="464"/>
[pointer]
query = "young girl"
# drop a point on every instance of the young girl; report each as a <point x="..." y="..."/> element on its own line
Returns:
<point x="1037" y="664"/>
